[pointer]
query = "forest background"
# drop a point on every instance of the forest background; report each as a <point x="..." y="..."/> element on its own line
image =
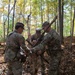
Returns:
<point x="12" y="11"/>
<point x="33" y="13"/>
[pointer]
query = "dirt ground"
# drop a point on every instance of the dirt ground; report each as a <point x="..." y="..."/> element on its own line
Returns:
<point x="67" y="64"/>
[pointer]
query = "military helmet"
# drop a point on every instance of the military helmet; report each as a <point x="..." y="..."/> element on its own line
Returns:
<point x="45" y="23"/>
<point x="18" y="25"/>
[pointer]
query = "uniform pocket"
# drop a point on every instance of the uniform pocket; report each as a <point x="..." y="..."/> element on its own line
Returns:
<point x="9" y="55"/>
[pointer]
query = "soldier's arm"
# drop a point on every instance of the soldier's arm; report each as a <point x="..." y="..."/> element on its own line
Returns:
<point x="22" y="43"/>
<point x="43" y="43"/>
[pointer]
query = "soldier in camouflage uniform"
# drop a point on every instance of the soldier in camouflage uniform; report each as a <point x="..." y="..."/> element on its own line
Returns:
<point x="36" y="56"/>
<point x="52" y="42"/>
<point x="35" y="36"/>
<point x="14" y="42"/>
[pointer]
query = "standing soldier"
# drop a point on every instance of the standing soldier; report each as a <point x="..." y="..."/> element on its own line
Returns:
<point x="36" y="56"/>
<point x="15" y="41"/>
<point x="52" y="42"/>
<point x="36" y="36"/>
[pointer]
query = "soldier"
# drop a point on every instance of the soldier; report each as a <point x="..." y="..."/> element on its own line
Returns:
<point x="35" y="36"/>
<point x="36" y="56"/>
<point x="14" y="42"/>
<point x="52" y="42"/>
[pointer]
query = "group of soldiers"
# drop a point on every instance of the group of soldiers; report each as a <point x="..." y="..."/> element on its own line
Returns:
<point x="15" y="43"/>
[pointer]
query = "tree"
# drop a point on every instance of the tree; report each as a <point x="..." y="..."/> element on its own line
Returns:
<point x="8" y="17"/>
<point x="72" y="30"/>
<point x="13" y="14"/>
<point x="60" y="6"/>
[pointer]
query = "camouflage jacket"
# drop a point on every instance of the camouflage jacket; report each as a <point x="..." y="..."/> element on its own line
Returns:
<point x="13" y="43"/>
<point x="34" y="37"/>
<point x="51" y="40"/>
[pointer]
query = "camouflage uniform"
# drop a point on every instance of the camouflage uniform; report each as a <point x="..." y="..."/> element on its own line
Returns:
<point x="52" y="41"/>
<point x="12" y="55"/>
<point x="34" y="37"/>
<point x="37" y="59"/>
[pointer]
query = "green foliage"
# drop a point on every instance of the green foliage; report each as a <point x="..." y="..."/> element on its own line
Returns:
<point x="1" y="33"/>
<point x="67" y="30"/>
<point x="45" y="8"/>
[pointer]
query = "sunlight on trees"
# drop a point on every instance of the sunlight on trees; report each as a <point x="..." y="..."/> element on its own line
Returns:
<point x="40" y="10"/>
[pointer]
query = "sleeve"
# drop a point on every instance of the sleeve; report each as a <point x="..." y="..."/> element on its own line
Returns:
<point x="32" y="38"/>
<point x="41" y="46"/>
<point x="22" y="43"/>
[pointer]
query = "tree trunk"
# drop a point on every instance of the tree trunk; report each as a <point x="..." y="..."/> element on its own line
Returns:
<point x="41" y="14"/>
<point x="24" y="11"/>
<point x="4" y="30"/>
<point x="60" y="6"/>
<point x="56" y="23"/>
<point x="62" y="15"/>
<point x="72" y="31"/>
<point x="8" y="18"/>
<point x="47" y="4"/>
<point x="13" y="15"/>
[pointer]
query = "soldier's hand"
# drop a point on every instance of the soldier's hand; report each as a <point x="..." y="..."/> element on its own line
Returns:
<point x="32" y="50"/>
<point x="39" y="52"/>
<point x="34" y="41"/>
<point x="29" y="51"/>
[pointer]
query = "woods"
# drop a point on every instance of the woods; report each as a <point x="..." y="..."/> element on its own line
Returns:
<point x="13" y="11"/>
<point x="33" y="13"/>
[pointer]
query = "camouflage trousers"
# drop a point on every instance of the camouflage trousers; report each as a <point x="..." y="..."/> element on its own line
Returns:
<point x="38" y="64"/>
<point x="35" y="63"/>
<point x="14" y="68"/>
<point x="54" y="64"/>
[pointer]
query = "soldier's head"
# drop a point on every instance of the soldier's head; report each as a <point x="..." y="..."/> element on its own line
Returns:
<point x="38" y="31"/>
<point x="19" y="27"/>
<point x="45" y="25"/>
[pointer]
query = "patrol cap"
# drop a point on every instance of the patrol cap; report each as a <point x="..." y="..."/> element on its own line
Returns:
<point x="38" y="29"/>
<point x="45" y="24"/>
<point x="18" y="25"/>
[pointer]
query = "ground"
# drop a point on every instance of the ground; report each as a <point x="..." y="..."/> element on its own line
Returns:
<point x="67" y="64"/>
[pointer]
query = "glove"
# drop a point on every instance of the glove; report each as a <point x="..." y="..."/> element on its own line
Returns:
<point x="39" y="52"/>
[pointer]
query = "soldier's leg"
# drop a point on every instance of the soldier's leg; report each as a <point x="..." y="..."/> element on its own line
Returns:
<point x="42" y="65"/>
<point x="34" y="67"/>
<point x="9" y="69"/>
<point x="34" y="70"/>
<point x="54" y="65"/>
<point x="17" y="68"/>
